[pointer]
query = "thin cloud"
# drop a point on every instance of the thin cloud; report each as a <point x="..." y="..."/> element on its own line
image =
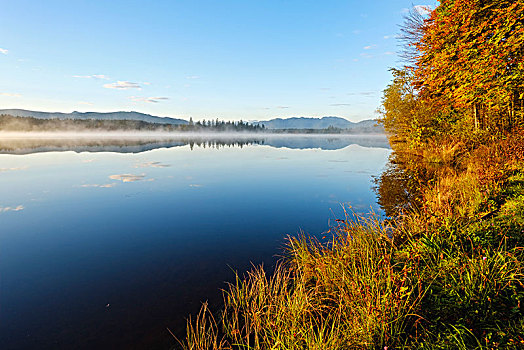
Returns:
<point x="85" y="103"/>
<point x="340" y="104"/>
<point x="193" y="77"/>
<point x="394" y="36"/>
<point x="362" y="93"/>
<point x="17" y="208"/>
<point x="94" y="76"/>
<point x="4" y="51"/>
<point x="196" y="185"/>
<point x="387" y="53"/>
<point x="148" y="99"/>
<point x="99" y="185"/>
<point x="127" y="177"/>
<point x="8" y="94"/>
<point x="282" y="107"/>
<point x="123" y="85"/>
<point x="152" y="165"/>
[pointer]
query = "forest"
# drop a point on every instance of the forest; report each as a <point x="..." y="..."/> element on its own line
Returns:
<point x="444" y="268"/>
<point x="30" y="124"/>
<point x="464" y="74"/>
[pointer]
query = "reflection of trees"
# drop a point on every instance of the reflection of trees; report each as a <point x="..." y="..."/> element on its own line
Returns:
<point x="120" y="145"/>
<point x="398" y="188"/>
<point x="134" y="143"/>
<point x="220" y="143"/>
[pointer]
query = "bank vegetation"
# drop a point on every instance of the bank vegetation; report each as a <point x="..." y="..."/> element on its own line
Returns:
<point x="445" y="269"/>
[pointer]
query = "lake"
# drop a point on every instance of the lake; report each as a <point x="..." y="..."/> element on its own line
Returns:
<point x="105" y="242"/>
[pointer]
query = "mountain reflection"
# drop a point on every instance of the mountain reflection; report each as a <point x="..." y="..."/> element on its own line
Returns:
<point x="137" y="144"/>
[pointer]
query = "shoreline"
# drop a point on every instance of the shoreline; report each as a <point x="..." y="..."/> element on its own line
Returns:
<point x="148" y="134"/>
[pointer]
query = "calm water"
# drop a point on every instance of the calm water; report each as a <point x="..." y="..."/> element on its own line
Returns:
<point x="105" y="243"/>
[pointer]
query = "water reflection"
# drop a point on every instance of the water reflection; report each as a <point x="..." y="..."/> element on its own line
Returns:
<point x="398" y="186"/>
<point x="136" y="143"/>
<point x="153" y="234"/>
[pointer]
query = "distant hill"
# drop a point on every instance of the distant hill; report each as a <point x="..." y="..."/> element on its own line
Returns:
<point x="94" y="115"/>
<point x="365" y="126"/>
<point x="300" y="125"/>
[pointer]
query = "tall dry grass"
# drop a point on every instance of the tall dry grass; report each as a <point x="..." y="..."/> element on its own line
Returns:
<point x="350" y="293"/>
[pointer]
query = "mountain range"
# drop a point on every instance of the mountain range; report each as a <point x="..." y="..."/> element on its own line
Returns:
<point x="94" y="115"/>
<point x="316" y="123"/>
<point x="365" y="126"/>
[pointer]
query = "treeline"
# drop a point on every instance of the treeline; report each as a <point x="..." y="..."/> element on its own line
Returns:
<point x="30" y="124"/>
<point x="330" y="130"/>
<point x="219" y="125"/>
<point x="464" y="75"/>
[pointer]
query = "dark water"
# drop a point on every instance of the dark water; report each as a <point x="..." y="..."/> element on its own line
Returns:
<point x="104" y="244"/>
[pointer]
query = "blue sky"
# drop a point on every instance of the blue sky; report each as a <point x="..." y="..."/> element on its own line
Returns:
<point x="250" y="60"/>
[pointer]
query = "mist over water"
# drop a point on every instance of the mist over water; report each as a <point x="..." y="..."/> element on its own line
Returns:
<point x="108" y="240"/>
<point x="127" y="142"/>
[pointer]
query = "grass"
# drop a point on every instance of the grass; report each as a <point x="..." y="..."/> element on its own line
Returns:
<point x="448" y="274"/>
<point x="348" y="293"/>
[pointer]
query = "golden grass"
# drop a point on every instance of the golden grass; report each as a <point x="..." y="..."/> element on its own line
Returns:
<point x="348" y="294"/>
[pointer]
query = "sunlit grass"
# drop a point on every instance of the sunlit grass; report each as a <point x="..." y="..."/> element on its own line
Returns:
<point x="349" y="293"/>
<point x="446" y="274"/>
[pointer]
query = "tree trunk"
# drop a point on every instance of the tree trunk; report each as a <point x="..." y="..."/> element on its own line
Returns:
<point x="475" y="116"/>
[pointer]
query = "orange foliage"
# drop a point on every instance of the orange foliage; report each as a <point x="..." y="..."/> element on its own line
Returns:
<point x="472" y="54"/>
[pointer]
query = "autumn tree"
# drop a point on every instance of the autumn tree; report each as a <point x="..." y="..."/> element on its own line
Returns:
<point x="409" y="119"/>
<point x="471" y="57"/>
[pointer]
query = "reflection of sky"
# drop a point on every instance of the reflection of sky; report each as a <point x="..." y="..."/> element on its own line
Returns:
<point x="92" y="234"/>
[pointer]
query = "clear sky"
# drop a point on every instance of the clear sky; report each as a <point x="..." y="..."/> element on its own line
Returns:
<point x="246" y="59"/>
